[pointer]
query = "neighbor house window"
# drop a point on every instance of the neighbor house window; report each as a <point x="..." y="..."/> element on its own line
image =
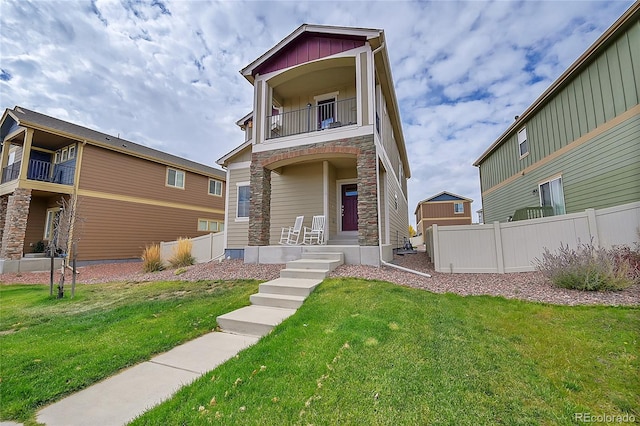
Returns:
<point x="50" y="222"/>
<point x="458" y="208"/>
<point x="72" y="152"/>
<point x="175" y="178"/>
<point x="522" y="142"/>
<point x="215" y="187"/>
<point x="552" y="195"/>
<point x="210" y="225"/>
<point x="244" y="194"/>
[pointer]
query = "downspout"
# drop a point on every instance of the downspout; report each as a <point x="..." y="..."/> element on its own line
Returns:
<point x="382" y="262"/>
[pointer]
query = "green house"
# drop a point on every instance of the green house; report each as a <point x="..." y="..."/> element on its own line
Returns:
<point x="578" y="145"/>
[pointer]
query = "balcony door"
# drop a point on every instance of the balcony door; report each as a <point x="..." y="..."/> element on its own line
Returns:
<point x="349" y="207"/>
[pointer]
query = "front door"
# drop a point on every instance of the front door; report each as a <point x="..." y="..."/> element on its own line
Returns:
<point x="350" y="207"/>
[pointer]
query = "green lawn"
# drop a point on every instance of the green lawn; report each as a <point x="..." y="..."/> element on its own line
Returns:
<point x="50" y="348"/>
<point x="357" y="352"/>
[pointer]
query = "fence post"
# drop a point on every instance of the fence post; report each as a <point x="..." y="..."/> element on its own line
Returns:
<point x="435" y="248"/>
<point x="498" y="237"/>
<point x="593" y="227"/>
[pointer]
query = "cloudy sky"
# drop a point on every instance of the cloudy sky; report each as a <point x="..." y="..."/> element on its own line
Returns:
<point x="165" y="73"/>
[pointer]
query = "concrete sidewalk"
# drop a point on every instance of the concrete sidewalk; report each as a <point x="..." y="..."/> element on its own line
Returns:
<point x="121" y="398"/>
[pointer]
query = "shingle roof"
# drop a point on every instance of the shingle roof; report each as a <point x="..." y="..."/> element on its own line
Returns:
<point x="43" y="122"/>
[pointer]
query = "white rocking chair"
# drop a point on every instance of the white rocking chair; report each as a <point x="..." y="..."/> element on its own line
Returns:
<point x="315" y="234"/>
<point x="290" y="236"/>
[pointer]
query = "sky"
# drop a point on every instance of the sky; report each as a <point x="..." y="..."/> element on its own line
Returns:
<point x="166" y="73"/>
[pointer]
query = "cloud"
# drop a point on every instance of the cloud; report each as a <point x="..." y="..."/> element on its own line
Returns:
<point x="165" y="73"/>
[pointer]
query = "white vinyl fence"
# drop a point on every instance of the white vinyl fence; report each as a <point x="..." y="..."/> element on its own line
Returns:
<point x="204" y="249"/>
<point x="513" y="246"/>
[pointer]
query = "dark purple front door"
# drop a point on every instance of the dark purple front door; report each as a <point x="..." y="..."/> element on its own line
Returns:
<point x="350" y="207"/>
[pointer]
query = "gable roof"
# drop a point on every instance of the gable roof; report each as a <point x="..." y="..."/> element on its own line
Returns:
<point x="628" y="18"/>
<point x="36" y="120"/>
<point x="443" y="196"/>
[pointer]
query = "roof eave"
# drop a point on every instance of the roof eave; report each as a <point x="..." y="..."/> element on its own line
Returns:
<point x="578" y="65"/>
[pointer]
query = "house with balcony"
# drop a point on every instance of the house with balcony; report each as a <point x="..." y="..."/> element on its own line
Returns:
<point x="324" y="138"/>
<point x="578" y="145"/>
<point x="128" y="195"/>
<point x="444" y="208"/>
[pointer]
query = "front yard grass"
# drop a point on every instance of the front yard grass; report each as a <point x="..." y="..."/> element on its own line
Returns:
<point x="50" y="348"/>
<point x="356" y="352"/>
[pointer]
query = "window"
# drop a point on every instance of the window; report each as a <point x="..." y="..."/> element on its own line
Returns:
<point x="244" y="195"/>
<point x="49" y="224"/>
<point x="458" y="208"/>
<point x="215" y="187"/>
<point x="210" y="225"/>
<point x="56" y="158"/>
<point x="552" y="195"/>
<point x="175" y="178"/>
<point x="522" y="142"/>
<point x="72" y="152"/>
<point x="65" y="155"/>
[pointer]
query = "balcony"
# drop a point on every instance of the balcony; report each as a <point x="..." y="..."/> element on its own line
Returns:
<point x="325" y="115"/>
<point x="42" y="171"/>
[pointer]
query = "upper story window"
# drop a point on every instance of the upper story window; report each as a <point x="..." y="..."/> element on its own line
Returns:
<point x="175" y="178"/>
<point x="523" y="144"/>
<point x="215" y="187"/>
<point x="65" y="154"/>
<point x="458" y="208"/>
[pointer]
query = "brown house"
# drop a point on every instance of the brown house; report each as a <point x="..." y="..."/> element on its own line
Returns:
<point x="444" y="208"/>
<point x="128" y="195"/>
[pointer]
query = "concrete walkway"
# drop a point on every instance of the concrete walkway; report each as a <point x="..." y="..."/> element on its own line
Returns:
<point x="121" y="398"/>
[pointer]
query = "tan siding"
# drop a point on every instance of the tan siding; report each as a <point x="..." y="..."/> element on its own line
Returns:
<point x="114" y="173"/>
<point x="333" y="200"/>
<point x="237" y="232"/>
<point x="398" y="217"/>
<point x="120" y="230"/>
<point x="297" y="191"/>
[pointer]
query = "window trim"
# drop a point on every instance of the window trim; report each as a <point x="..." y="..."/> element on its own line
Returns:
<point x="49" y="218"/>
<point x="213" y="193"/>
<point x="524" y="141"/>
<point x="238" y="186"/>
<point x="458" y="203"/>
<point x="184" y="178"/>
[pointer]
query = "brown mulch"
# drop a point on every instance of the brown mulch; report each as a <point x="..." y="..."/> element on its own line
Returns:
<point x="530" y="286"/>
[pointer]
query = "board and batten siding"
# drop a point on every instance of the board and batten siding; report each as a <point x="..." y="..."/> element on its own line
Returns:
<point x="237" y="230"/>
<point x="297" y="191"/>
<point x="602" y="172"/>
<point x="606" y="88"/>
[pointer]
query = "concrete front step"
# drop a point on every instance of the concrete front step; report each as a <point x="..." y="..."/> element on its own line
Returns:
<point x="318" y="274"/>
<point x="253" y="320"/>
<point x="308" y="263"/>
<point x="277" y="300"/>
<point x="323" y="255"/>
<point x="290" y="286"/>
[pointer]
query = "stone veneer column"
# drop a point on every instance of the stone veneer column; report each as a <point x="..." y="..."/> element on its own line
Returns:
<point x="3" y="215"/>
<point x="260" y="204"/>
<point x="15" y="225"/>
<point x="367" y="193"/>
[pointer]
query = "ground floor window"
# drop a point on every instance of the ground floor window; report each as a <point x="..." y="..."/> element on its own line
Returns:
<point x="552" y="195"/>
<point x="244" y="194"/>
<point x="210" y="225"/>
<point x="50" y="223"/>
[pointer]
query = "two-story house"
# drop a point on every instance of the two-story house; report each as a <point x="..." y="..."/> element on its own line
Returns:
<point x="128" y="195"/>
<point x="444" y="209"/>
<point x="578" y="145"/>
<point x="324" y="138"/>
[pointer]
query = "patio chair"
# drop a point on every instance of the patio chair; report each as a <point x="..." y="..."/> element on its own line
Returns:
<point x="315" y="234"/>
<point x="290" y="236"/>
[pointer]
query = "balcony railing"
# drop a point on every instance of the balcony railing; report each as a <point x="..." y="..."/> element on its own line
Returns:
<point x="327" y="115"/>
<point x="11" y="172"/>
<point x="42" y="171"/>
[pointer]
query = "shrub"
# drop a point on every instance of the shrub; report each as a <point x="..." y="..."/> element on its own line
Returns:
<point x="589" y="268"/>
<point x="151" y="261"/>
<point x="182" y="254"/>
